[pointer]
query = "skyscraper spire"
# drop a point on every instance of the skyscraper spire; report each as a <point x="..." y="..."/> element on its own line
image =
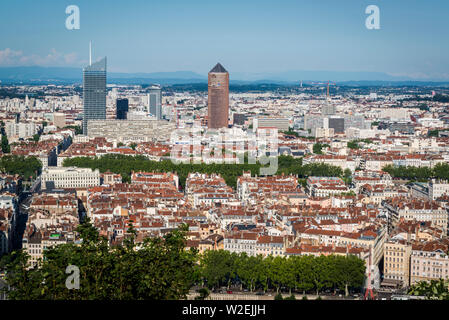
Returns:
<point x="90" y="53"/>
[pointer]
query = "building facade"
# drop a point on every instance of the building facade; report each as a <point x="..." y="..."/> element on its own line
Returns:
<point x="69" y="177"/>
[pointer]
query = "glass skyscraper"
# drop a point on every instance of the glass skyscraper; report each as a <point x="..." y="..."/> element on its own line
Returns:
<point x="155" y="101"/>
<point x="94" y="92"/>
<point x="122" y="108"/>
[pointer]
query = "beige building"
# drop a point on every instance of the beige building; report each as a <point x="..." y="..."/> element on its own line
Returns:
<point x="38" y="242"/>
<point x="270" y="245"/>
<point x="397" y="261"/>
<point x="59" y="119"/>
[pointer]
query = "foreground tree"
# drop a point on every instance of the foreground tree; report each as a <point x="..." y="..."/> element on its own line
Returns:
<point x="158" y="268"/>
<point x="433" y="290"/>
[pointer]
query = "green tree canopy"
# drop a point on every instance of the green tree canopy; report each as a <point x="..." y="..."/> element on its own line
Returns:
<point x="157" y="268"/>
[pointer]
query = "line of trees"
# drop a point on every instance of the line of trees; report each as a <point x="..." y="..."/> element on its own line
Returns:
<point x="162" y="268"/>
<point x="21" y="165"/>
<point x="295" y="273"/>
<point x="124" y="165"/>
<point x="439" y="171"/>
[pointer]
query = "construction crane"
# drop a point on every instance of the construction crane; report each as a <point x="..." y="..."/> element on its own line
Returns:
<point x="328" y="83"/>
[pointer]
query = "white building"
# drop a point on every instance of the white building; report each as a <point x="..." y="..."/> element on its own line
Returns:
<point x="21" y="130"/>
<point x="70" y="177"/>
<point x="437" y="188"/>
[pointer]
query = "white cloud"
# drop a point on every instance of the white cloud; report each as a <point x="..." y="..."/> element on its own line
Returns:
<point x="10" y="58"/>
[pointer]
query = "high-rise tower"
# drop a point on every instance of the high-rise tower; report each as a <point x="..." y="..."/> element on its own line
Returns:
<point x="155" y="101"/>
<point x="94" y="91"/>
<point x="218" y="97"/>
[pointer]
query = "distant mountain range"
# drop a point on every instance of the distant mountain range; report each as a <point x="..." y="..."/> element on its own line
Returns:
<point x="74" y="75"/>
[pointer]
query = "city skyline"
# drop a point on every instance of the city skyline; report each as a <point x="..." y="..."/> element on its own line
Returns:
<point x="268" y="38"/>
<point x="238" y="151"/>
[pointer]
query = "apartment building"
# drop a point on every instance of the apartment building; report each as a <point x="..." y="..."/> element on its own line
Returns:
<point x="240" y="242"/>
<point x="36" y="243"/>
<point x="416" y="209"/>
<point x="397" y="261"/>
<point x="325" y="186"/>
<point x="270" y="245"/>
<point x="20" y="130"/>
<point x="131" y="130"/>
<point x="343" y="162"/>
<point x="429" y="261"/>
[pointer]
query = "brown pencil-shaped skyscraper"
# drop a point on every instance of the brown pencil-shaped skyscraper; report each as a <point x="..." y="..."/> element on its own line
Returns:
<point x="218" y="99"/>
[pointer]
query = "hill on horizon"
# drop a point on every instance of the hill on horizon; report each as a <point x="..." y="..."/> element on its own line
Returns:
<point x="37" y="74"/>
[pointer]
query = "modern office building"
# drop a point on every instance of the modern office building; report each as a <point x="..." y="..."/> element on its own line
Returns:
<point x="218" y="97"/>
<point x="155" y="101"/>
<point x="94" y="92"/>
<point x="338" y="124"/>
<point x="239" y="119"/>
<point x="122" y="108"/>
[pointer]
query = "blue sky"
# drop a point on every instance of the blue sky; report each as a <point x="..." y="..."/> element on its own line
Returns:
<point x="245" y="35"/>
